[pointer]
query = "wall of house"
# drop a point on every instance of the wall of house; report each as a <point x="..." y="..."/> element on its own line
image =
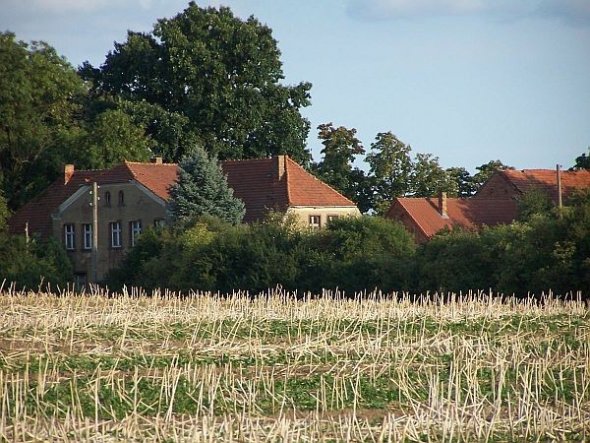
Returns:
<point x="497" y="187"/>
<point x="137" y="205"/>
<point x="304" y="214"/>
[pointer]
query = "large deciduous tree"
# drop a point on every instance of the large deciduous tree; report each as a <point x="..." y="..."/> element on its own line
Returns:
<point x="39" y="99"/>
<point x="391" y="168"/>
<point x="202" y="189"/>
<point x="222" y="73"/>
<point x="341" y="146"/>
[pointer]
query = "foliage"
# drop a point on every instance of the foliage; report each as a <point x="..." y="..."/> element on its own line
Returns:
<point x="218" y="71"/>
<point x="427" y="178"/>
<point x="202" y="189"/>
<point x="341" y="146"/>
<point x="39" y="97"/>
<point x="583" y="161"/>
<point x="34" y="263"/>
<point x="391" y="166"/>
<point x="352" y="254"/>
<point x="533" y="202"/>
<point x="460" y="183"/>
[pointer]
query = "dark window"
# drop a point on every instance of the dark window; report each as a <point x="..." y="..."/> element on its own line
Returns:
<point x="315" y="221"/>
<point x="115" y="228"/>
<point x="87" y="235"/>
<point x="70" y="236"/>
<point x="121" y="198"/>
<point x="134" y="231"/>
<point x="107" y="199"/>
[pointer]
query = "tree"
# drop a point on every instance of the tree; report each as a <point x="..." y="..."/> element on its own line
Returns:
<point x="427" y="178"/>
<point x="341" y="146"/>
<point x="583" y="161"/>
<point x="39" y="99"/>
<point x="111" y="139"/>
<point x="202" y="189"/>
<point x="220" y="72"/>
<point x="485" y="171"/>
<point x="460" y="182"/>
<point x="391" y="168"/>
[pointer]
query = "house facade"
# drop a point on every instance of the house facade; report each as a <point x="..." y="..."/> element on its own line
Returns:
<point x="133" y="196"/>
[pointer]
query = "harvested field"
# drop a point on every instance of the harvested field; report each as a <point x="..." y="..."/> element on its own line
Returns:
<point x="277" y="368"/>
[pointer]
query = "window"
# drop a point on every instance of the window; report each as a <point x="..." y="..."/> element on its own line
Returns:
<point x="159" y="223"/>
<point x="314" y="221"/>
<point x="87" y="235"/>
<point x="70" y="237"/>
<point x="135" y="230"/>
<point x="121" y="198"/>
<point x="107" y="199"/>
<point x="331" y="218"/>
<point x="115" y="228"/>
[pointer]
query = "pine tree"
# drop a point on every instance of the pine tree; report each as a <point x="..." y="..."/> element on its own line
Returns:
<point x="201" y="189"/>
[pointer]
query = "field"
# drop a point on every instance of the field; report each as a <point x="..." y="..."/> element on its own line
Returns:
<point x="275" y="368"/>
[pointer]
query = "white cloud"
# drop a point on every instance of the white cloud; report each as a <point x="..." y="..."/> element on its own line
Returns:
<point x="569" y="10"/>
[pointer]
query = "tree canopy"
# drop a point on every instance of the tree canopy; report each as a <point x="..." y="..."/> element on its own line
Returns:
<point x="202" y="189"/>
<point x="222" y="73"/>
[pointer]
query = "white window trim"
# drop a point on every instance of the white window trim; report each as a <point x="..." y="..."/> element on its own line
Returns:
<point x="116" y="238"/>
<point x="86" y="236"/>
<point x="135" y="231"/>
<point x="70" y="236"/>
<point x="312" y="223"/>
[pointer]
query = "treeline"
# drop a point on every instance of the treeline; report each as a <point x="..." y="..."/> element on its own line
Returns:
<point x="542" y="252"/>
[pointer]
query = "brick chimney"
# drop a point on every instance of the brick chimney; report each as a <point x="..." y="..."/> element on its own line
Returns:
<point x="280" y="164"/>
<point x="442" y="204"/>
<point x="68" y="173"/>
<point x="157" y="160"/>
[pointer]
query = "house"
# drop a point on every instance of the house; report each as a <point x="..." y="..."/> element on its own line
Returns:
<point x="424" y="217"/>
<point x="512" y="183"/>
<point x="133" y="196"/>
<point x="496" y="202"/>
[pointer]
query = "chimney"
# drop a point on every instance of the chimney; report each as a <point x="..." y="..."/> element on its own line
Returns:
<point x="280" y="162"/>
<point x="442" y="204"/>
<point x="157" y="160"/>
<point x="68" y="173"/>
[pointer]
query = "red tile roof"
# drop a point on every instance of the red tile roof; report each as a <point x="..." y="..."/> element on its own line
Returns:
<point x="546" y="180"/>
<point x="467" y="213"/>
<point x="278" y="183"/>
<point x="256" y="182"/>
<point x="37" y="212"/>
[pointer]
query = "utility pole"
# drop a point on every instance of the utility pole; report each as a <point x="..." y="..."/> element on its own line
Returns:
<point x="559" y="191"/>
<point x="94" y="205"/>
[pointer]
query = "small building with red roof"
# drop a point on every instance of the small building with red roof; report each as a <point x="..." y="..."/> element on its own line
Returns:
<point x="496" y="202"/>
<point x="424" y="217"/>
<point x="133" y="196"/>
<point x="512" y="183"/>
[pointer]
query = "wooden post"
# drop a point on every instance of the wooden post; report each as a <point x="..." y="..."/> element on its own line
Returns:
<point x="559" y="191"/>
<point x="94" y="232"/>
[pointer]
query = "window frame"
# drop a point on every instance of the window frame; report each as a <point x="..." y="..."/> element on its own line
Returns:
<point x="135" y="229"/>
<point x="69" y="236"/>
<point x="311" y="221"/>
<point x="87" y="236"/>
<point x="116" y="232"/>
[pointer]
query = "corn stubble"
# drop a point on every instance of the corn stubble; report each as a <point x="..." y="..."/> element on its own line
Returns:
<point x="87" y="367"/>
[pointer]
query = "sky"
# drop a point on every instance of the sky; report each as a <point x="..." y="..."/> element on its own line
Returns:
<point x="466" y="80"/>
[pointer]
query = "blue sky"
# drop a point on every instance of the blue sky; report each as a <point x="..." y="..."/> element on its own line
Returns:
<point x="466" y="80"/>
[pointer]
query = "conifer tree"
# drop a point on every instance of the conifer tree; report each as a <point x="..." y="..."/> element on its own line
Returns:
<point x="201" y="189"/>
